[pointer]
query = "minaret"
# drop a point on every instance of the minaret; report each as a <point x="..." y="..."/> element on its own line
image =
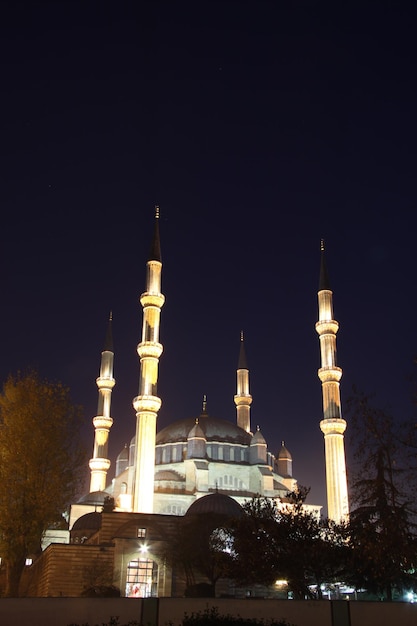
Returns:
<point x="100" y="464"/>
<point x="147" y="403"/>
<point x="332" y="424"/>
<point x="243" y="399"/>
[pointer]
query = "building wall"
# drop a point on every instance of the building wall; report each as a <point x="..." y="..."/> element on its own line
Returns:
<point x="160" y="612"/>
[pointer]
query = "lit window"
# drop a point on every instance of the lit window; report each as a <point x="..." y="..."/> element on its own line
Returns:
<point x="141" y="533"/>
<point x="142" y="578"/>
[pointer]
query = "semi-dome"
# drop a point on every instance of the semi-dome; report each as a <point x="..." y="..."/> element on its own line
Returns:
<point x="94" y="498"/>
<point x="217" y="503"/>
<point x="168" y="475"/>
<point x="89" y="521"/>
<point x="214" y="430"/>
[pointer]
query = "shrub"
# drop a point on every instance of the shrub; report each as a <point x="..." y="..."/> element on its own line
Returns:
<point x="211" y="617"/>
<point x="114" y="621"/>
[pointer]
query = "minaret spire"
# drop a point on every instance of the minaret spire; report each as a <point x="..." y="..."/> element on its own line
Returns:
<point x="243" y="399"/>
<point x="332" y="425"/>
<point x="100" y="464"/>
<point x="147" y="403"/>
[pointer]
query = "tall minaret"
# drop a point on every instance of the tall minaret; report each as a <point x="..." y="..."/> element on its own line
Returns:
<point x="332" y="424"/>
<point x="100" y="464"/>
<point x="243" y="399"/>
<point x="147" y="403"/>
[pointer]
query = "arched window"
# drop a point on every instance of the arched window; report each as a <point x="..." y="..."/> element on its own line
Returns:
<point x="142" y="579"/>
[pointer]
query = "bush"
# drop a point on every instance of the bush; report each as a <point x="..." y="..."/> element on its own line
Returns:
<point x="114" y="621"/>
<point x="211" y="617"/>
<point x="102" y="591"/>
<point x="200" y="590"/>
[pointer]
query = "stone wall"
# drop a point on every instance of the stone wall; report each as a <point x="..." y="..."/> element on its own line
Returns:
<point x="164" y="611"/>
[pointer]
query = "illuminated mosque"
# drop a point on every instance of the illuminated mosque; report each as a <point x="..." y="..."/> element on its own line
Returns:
<point x="195" y="465"/>
<point x="165" y="472"/>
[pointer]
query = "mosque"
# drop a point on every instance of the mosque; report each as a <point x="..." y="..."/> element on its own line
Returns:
<point x="194" y="465"/>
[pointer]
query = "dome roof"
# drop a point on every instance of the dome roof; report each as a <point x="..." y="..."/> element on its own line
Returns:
<point x="94" y="498"/>
<point x="124" y="454"/>
<point x="89" y="521"/>
<point x="196" y="431"/>
<point x="284" y="453"/>
<point x="258" y="437"/>
<point x="213" y="429"/>
<point x="218" y="503"/>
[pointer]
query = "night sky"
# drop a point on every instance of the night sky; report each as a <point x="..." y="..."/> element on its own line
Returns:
<point x="259" y="128"/>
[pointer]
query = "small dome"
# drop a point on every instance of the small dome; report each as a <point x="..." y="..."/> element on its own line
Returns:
<point x="89" y="521"/>
<point x="217" y="503"/>
<point x="284" y="453"/>
<point x="258" y="437"/>
<point x="123" y="455"/>
<point x="196" y="431"/>
<point x="94" y="498"/>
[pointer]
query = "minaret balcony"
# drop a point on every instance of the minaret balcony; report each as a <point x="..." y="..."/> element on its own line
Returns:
<point x="99" y="465"/>
<point x="326" y="327"/>
<point x="243" y="399"/>
<point x="147" y="404"/>
<point x="105" y="383"/>
<point x="333" y="426"/>
<point x="101" y="421"/>
<point x="330" y="374"/>
<point x="152" y="299"/>
<point x="150" y="349"/>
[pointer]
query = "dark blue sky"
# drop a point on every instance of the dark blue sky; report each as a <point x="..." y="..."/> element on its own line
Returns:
<point x="259" y="127"/>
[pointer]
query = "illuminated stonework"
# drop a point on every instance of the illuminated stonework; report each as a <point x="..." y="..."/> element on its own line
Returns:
<point x="147" y="403"/>
<point x="100" y="464"/>
<point x="333" y="425"/>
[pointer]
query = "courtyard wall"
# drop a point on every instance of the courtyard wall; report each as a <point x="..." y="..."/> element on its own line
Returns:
<point x="165" y="611"/>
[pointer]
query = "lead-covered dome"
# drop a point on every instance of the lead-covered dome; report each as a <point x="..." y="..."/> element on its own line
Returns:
<point x="214" y="430"/>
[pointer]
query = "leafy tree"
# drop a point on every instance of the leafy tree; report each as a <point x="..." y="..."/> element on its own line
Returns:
<point x="382" y="531"/>
<point x="256" y="543"/>
<point x="199" y="549"/>
<point x="41" y="465"/>
<point x="287" y="542"/>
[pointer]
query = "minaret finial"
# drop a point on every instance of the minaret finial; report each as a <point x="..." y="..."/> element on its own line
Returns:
<point x="155" y="254"/>
<point x="324" y="282"/>
<point x="204" y="403"/>
<point x="111" y="316"/>
<point x="241" y="335"/>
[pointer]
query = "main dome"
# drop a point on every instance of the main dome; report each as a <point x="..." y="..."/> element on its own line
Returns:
<point x="214" y="430"/>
